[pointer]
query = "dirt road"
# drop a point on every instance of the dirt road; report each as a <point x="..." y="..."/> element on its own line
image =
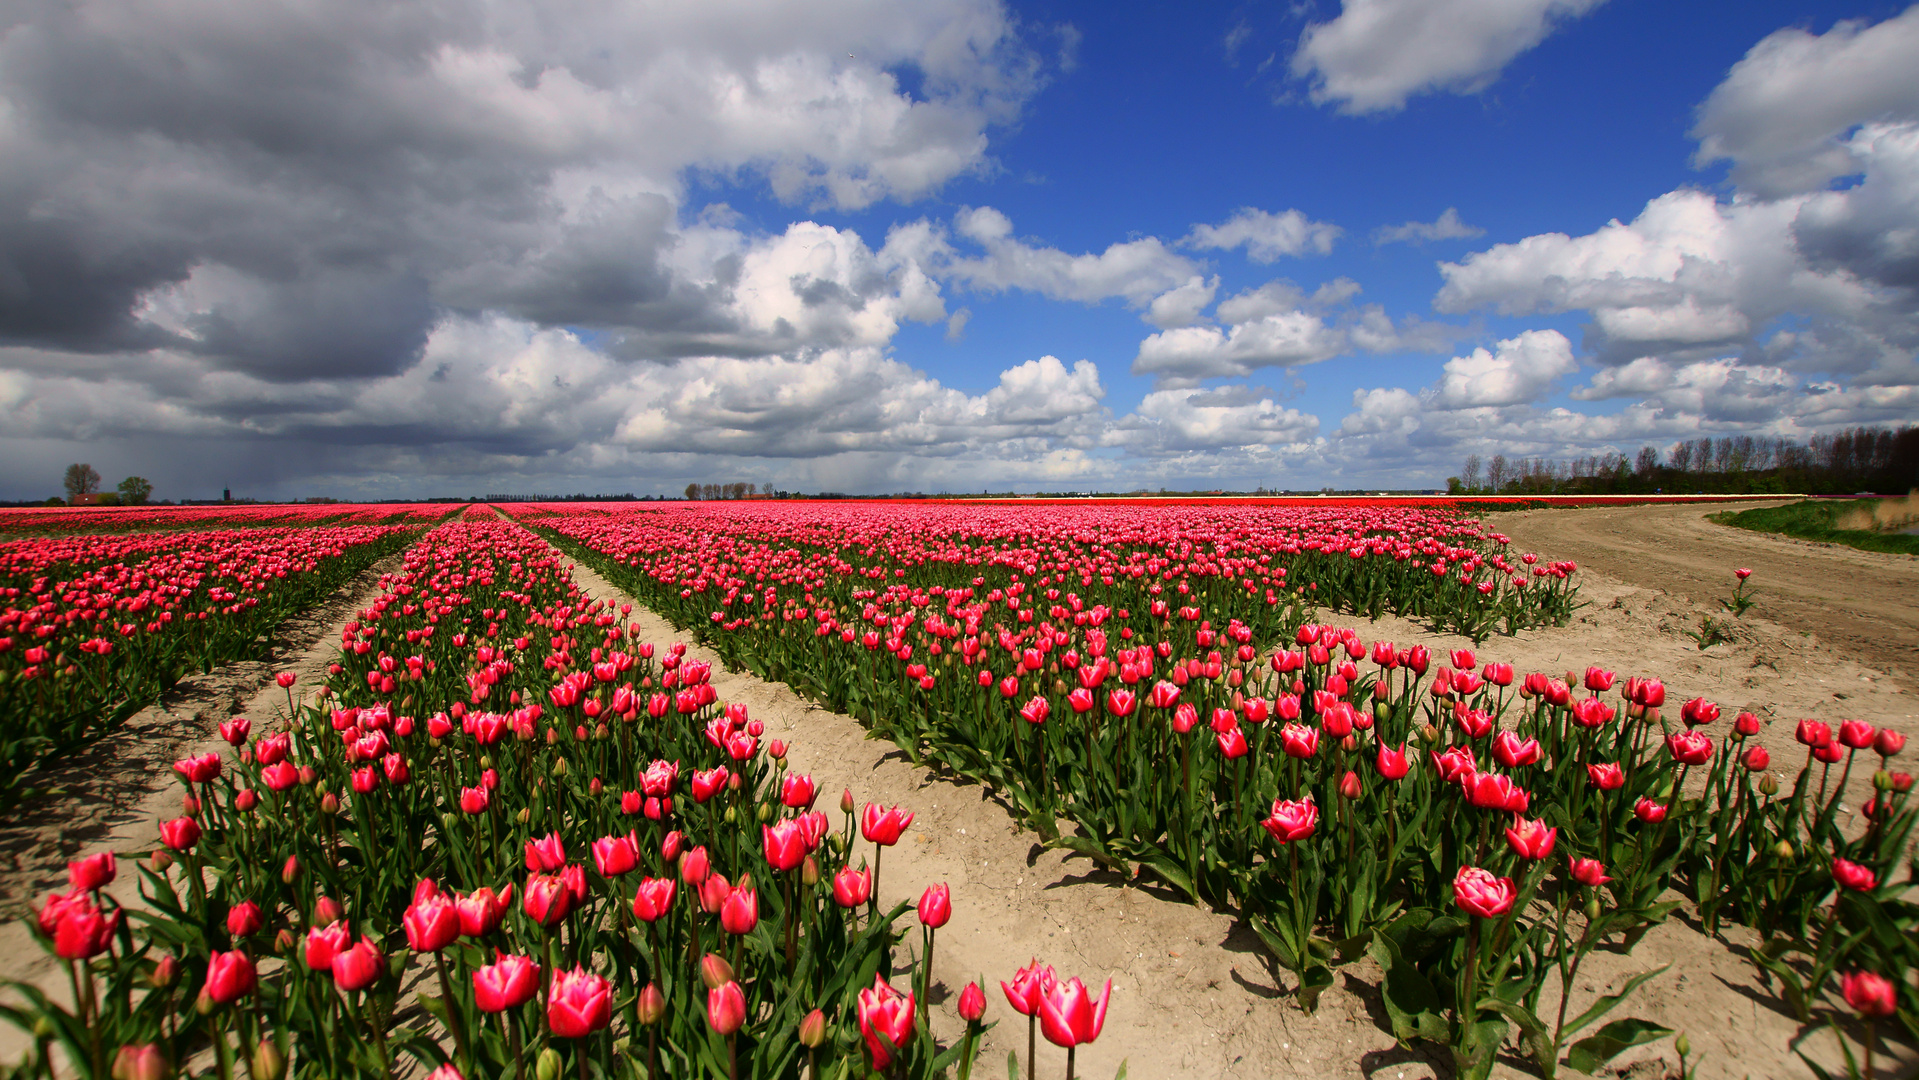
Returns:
<point x="1863" y="605"/>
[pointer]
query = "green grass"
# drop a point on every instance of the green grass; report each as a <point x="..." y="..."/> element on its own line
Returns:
<point x="1814" y="520"/>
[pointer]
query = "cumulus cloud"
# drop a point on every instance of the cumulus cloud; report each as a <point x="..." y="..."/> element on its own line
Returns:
<point x="1520" y="370"/>
<point x="1182" y="306"/>
<point x="1279" y="325"/>
<point x="457" y="156"/>
<point x="1447" y="227"/>
<point x="1171" y="421"/>
<point x="1136" y="271"/>
<point x="1782" y="114"/>
<point x="1378" y="53"/>
<point x="1266" y="236"/>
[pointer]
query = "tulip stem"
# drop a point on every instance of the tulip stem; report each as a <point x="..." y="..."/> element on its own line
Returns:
<point x="512" y="1031"/>
<point x="453" y="1018"/>
<point x="1069" y="1062"/>
<point x="1032" y="1025"/>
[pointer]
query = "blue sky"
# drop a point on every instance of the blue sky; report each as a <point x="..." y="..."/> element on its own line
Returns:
<point x="868" y="245"/>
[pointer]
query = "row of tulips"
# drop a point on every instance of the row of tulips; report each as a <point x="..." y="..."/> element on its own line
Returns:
<point x="1477" y="831"/>
<point x="94" y="628"/>
<point x="505" y="839"/>
<point x="58" y="522"/>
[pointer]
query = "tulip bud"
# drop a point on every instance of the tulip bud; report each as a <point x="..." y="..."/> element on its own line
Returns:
<point x="329" y="803"/>
<point x="846" y="801"/>
<point x="290" y="873"/>
<point x="486" y="761"/>
<point x="766" y="813"/>
<point x="1882" y="780"/>
<point x="283" y="941"/>
<point x="1769" y="784"/>
<point x="1349" y="785"/>
<point x="190" y="806"/>
<point x="204" y="1003"/>
<point x="525" y="815"/>
<point x="246" y="800"/>
<point x="165" y="971"/>
<point x="326" y="911"/>
<point x="715" y="972"/>
<point x="1683" y="1045"/>
<point x="810" y="871"/>
<point x="144" y="1062"/>
<point x="268" y="1062"/>
<point x="730" y="816"/>
<point x="594" y="787"/>
<point x="42" y="1028"/>
<point x="548" y="1066"/>
<point x="1592" y="909"/>
<point x="1783" y="849"/>
<point x="559" y="767"/>
<point x="813" y="1029"/>
<point x="1428" y="733"/>
<point x="733" y="782"/>
<point x="652" y="1005"/>
<point x="160" y="860"/>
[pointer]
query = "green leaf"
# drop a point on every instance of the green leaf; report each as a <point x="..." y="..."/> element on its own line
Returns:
<point x="1121" y="1074"/>
<point x="1092" y="849"/>
<point x="1312" y="982"/>
<point x="1012" y="1065"/>
<point x="1589" y="1053"/>
<point x="1171" y="872"/>
<point x="1606" y="1004"/>
<point x="1539" y="1043"/>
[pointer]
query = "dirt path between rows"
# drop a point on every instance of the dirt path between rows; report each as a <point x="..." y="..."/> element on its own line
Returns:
<point x="1194" y="993"/>
<point x="1864" y="605"/>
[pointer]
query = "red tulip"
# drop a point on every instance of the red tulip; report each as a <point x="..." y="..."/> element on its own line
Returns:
<point x="1456" y="764"/>
<point x="785" y="844"/>
<point x="244" y="919"/>
<point x="1531" y="839"/>
<point x="886" y="1021"/>
<point x="432" y="923"/>
<point x="1888" y="742"/>
<point x="654" y="898"/>
<point x="1813" y="733"/>
<point x="884" y="827"/>
<point x="482" y="910"/>
<point x="1185" y="717"/>
<point x="972" y="1002"/>
<point x="726" y="1007"/>
<point x="1029" y="985"/>
<point x="235" y="731"/>
<point x="1689" y="747"/>
<point x="1599" y="680"/>
<point x="1746" y="724"/>
<point x="1757" y="759"/>
<point x="547" y="899"/>
<point x="1650" y="812"/>
<point x="1606" y="776"/>
<point x="797" y="791"/>
<point x="1494" y="791"/>
<point x="1479" y="893"/>
<point x="1392" y="762"/>
<point x="1512" y="751"/>
<point x="1232" y="744"/>
<point x="507" y="983"/>
<point x="1853" y="876"/>
<point x="615" y="855"/>
<point x="1069" y="1016"/>
<point x="358" y="967"/>
<point x="578" y="1003"/>
<point x="1592" y="712"/>
<point x="1035" y="711"/>
<point x="324" y="943"/>
<point x="936" y="906"/>
<point x="546" y="854"/>
<point x="180" y="833"/>
<point x="200" y="769"/>
<point x="1856" y="734"/>
<point x="695" y="866"/>
<point x="1869" y="994"/>
<point x="1292" y="819"/>
<point x="82" y="931"/>
<point x="230" y="977"/>
<point x="851" y="887"/>
<point x="1299" y="741"/>
<point x="1698" y="711"/>
<point x="740" y="911"/>
<point x="92" y="872"/>
<point x="1589" y="872"/>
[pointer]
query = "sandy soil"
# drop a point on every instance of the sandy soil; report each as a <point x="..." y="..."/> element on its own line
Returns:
<point x="1193" y="993"/>
<point x="1864" y="605"/>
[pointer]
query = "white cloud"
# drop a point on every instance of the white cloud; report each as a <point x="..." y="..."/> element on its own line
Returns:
<point x="1378" y="53"/>
<point x="1234" y="417"/>
<point x="1521" y="371"/>
<point x="1136" y="271"/>
<point x="1267" y="236"/>
<point x="1192" y="353"/>
<point x="1783" y="113"/>
<point x="1447" y="227"/>
<point x="1182" y="306"/>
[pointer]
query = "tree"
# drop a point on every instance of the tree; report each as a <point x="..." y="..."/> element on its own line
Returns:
<point x="82" y="479"/>
<point x="692" y="493"/>
<point x="1496" y="474"/>
<point x="1648" y="461"/>
<point x="135" y="490"/>
<point x="1469" y="476"/>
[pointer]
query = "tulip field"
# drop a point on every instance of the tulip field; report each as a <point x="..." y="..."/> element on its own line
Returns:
<point x="97" y="626"/>
<point x="509" y="838"/>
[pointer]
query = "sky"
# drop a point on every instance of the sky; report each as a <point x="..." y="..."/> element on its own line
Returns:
<point x="365" y="250"/>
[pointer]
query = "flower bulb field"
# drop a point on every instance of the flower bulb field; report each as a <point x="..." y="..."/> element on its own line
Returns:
<point x="918" y="789"/>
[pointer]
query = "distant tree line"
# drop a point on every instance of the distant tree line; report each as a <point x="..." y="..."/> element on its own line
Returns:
<point x="1884" y="460"/>
<point x="712" y="492"/>
<point x="83" y="480"/>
